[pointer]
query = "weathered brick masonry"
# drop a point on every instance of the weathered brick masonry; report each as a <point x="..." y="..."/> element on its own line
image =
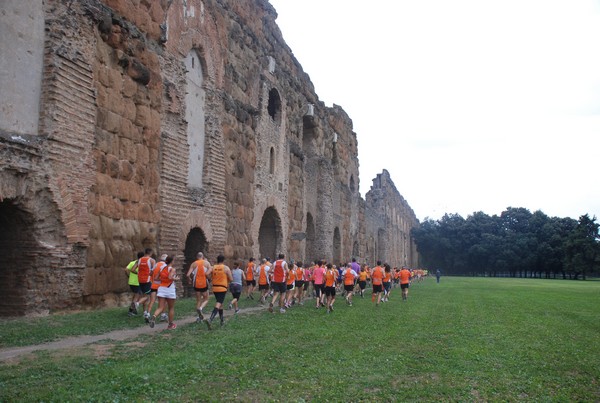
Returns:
<point x="180" y="125"/>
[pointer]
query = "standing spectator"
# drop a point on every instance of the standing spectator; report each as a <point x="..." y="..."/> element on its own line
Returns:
<point x="438" y="274"/>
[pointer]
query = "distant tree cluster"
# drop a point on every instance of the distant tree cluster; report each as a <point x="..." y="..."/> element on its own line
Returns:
<point x="517" y="243"/>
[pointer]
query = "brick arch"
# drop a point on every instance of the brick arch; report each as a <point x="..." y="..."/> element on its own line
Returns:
<point x="195" y="219"/>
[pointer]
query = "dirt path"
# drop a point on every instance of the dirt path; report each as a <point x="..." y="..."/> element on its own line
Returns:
<point x="115" y="335"/>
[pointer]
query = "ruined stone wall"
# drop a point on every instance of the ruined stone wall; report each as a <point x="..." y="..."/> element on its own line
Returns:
<point x="184" y="126"/>
<point x="389" y="222"/>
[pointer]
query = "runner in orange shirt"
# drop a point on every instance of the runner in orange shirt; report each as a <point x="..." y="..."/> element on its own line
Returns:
<point x="348" y="277"/>
<point x="362" y="281"/>
<point x="404" y="282"/>
<point x="290" y="284"/>
<point x="387" y="282"/>
<point x="263" y="280"/>
<point x="377" y="279"/>
<point x="300" y="282"/>
<point x="220" y="276"/>
<point x="197" y="277"/>
<point x="250" y="280"/>
<point x="330" y="278"/>
<point x="280" y="272"/>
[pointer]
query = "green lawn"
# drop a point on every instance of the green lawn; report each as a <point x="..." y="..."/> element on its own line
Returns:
<point x="465" y="339"/>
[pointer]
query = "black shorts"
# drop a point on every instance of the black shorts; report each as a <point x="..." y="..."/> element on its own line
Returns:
<point x="330" y="291"/>
<point x="263" y="287"/>
<point x="319" y="289"/>
<point x="299" y="283"/>
<point x="220" y="296"/>
<point x="145" y="288"/>
<point x="251" y="282"/>
<point x="289" y="287"/>
<point x="205" y="289"/>
<point x="377" y="288"/>
<point x="236" y="290"/>
<point x="349" y="288"/>
<point x="135" y="289"/>
<point x="403" y="286"/>
<point x="387" y="285"/>
<point x="305" y="285"/>
<point x="279" y="287"/>
<point x="362" y="284"/>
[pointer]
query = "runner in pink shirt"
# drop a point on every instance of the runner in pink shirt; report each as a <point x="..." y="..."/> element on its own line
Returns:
<point x="319" y="282"/>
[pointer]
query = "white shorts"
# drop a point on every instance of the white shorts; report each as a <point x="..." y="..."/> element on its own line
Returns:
<point x="167" y="292"/>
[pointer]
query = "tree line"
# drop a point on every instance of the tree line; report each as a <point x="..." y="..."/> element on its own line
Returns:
<point x="517" y="243"/>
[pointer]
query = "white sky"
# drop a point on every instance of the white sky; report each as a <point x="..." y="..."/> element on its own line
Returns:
<point x="471" y="105"/>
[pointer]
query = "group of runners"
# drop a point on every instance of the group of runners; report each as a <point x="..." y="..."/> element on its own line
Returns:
<point x="279" y="283"/>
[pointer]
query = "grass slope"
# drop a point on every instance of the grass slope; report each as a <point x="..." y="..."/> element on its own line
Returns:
<point x="468" y="339"/>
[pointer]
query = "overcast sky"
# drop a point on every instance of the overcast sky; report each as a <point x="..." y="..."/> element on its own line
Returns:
<point x="471" y="105"/>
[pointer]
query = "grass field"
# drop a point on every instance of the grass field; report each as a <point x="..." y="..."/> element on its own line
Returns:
<point x="465" y="339"/>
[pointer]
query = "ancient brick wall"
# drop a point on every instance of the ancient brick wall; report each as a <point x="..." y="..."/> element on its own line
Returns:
<point x="183" y="126"/>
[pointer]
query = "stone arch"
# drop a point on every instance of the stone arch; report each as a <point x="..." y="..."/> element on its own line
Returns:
<point x="195" y="115"/>
<point x="309" y="249"/>
<point x="337" y="246"/>
<point x="17" y="246"/>
<point x="274" y="105"/>
<point x="195" y="219"/>
<point x="270" y="233"/>
<point x="355" y="249"/>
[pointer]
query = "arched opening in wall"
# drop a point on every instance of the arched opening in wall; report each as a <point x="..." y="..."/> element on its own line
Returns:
<point x="381" y="251"/>
<point x="272" y="161"/>
<point x="351" y="185"/>
<point x="269" y="234"/>
<point x="355" y="249"/>
<point x="17" y="246"/>
<point x="309" y="135"/>
<point x="274" y="106"/>
<point x="309" y="250"/>
<point x="194" y="116"/>
<point x="337" y="246"/>
<point x="194" y="243"/>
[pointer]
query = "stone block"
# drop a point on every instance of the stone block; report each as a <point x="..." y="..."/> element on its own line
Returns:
<point x="127" y="170"/>
<point x="129" y="87"/>
<point x="113" y="166"/>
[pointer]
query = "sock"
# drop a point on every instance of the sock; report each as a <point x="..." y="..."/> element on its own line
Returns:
<point x="221" y="314"/>
<point x="214" y="313"/>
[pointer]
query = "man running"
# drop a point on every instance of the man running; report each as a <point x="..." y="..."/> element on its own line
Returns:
<point x="280" y="272"/>
<point x="134" y="285"/>
<point x="404" y="282"/>
<point x="319" y="283"/>
<point x="143" y="268"/>
<point x="349" y="277"/>
<point x="250" y="281"/>
<point x="220" y="276"/>
<point x="263" y="280"/>
<point x="377" y="280"/>
<point x="197" y="276"/>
